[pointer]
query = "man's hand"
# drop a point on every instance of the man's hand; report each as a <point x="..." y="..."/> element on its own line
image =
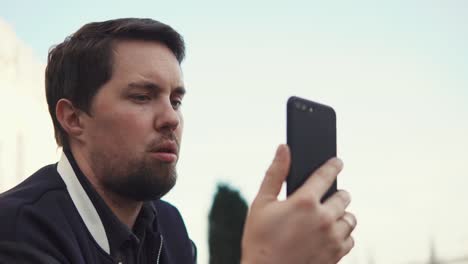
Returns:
<point x="299" y="229"/>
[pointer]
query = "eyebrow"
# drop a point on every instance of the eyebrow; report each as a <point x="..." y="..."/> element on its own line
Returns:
<point x="180" y="90"/>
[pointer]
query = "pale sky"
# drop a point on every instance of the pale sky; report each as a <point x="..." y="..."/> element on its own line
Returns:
<point x="395" y="72"/>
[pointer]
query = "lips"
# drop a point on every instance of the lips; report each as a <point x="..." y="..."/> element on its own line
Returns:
<point x="168" y="147"/>
<point x="166" y="152"/>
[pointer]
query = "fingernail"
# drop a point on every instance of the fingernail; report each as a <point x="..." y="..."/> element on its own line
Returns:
<point x="350" y="220"/>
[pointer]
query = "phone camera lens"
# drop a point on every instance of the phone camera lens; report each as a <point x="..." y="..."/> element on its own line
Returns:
<point x="304" y="107"/>
<point x="311" y="109"/>
<point x="298" y="105"/>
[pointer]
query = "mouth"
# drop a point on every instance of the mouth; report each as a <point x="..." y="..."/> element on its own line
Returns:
<point x="166" y="152"/>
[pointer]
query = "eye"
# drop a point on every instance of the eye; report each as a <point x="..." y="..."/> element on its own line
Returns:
<point x="176" y="104"/>
<point x="140" y="98"/>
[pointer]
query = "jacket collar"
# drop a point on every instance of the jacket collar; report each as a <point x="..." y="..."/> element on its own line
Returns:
<point x="83" y="203"/>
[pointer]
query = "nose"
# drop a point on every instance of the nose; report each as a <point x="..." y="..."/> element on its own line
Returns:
<point x="167" y="118"/>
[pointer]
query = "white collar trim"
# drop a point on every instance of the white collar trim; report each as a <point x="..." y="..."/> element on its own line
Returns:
<point x="82" y="203"/>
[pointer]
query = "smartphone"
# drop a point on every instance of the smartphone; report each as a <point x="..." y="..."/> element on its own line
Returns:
<point x="311" y="137"/>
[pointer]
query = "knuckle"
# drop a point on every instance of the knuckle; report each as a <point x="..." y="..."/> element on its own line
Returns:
<point x="344" y="196"/>
<point x="354" y="220"/>
<point x="341" y="249"/>
<point x="326" y="221"/>
<point x="352" y="242"/>
<point x="306" y="203"/>
<point x="322" y="172"/>
<point x="336" y="239"/>
<point x="350" y="219"/>
<point x="346" y="247"/>
<point x="326" y="173"/>
<point x="336" y="252"/>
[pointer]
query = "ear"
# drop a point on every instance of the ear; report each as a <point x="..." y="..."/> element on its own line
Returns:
<point x="69" y="118"/>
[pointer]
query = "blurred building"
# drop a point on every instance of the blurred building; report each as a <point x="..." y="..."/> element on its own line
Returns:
<point x="26" y="134"/>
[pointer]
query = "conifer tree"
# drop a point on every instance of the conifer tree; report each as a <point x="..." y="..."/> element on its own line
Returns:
<point x="226" y="225"/>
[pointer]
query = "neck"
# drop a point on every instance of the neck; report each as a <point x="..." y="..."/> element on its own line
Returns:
<point x="125" y="209"/>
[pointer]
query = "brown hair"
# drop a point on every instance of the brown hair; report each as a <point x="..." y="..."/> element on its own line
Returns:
<point x="79" y="66"/>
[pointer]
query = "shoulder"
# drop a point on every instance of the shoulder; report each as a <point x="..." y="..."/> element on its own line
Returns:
<point x="35" y="214"/>
<point x="43" y="181"/>
<point x="39" y="216"/>
<point x="166" y="207"/>
<point x="31" y="204"/>
<point x="172" y="227"/>
<point x="11" y="252"/>
<point x="168" y="216"/>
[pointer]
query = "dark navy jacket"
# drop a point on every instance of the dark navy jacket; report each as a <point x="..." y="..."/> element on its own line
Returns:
<point x="49" y="217"/>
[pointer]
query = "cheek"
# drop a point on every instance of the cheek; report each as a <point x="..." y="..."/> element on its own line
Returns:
<point x="181" y="127"/>
<point x="121" y="129"/>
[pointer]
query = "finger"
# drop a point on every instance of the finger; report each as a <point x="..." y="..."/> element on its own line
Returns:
<point x="321" y="180"/>
<point x="347" y="246"/>
<point x="276" y="173"/>
<point x="345" y="225"/>
<point x="337" y="203"/>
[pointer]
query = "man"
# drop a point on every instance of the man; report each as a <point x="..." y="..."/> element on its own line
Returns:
<point x="114" y="91"/>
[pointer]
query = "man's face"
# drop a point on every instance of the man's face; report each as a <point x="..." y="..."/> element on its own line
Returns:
<point x="135" y="125"/>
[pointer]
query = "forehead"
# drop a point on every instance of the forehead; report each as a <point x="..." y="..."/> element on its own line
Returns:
<point x="135" y="60"/>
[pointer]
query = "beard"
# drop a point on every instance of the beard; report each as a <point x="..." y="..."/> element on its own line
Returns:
<point x="139" y="179"/>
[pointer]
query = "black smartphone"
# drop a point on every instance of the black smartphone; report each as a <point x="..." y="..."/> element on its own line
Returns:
<point x="311" y="137"/>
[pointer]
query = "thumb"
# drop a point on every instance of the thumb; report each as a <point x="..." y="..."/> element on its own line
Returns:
<point x="276" y="173"/>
